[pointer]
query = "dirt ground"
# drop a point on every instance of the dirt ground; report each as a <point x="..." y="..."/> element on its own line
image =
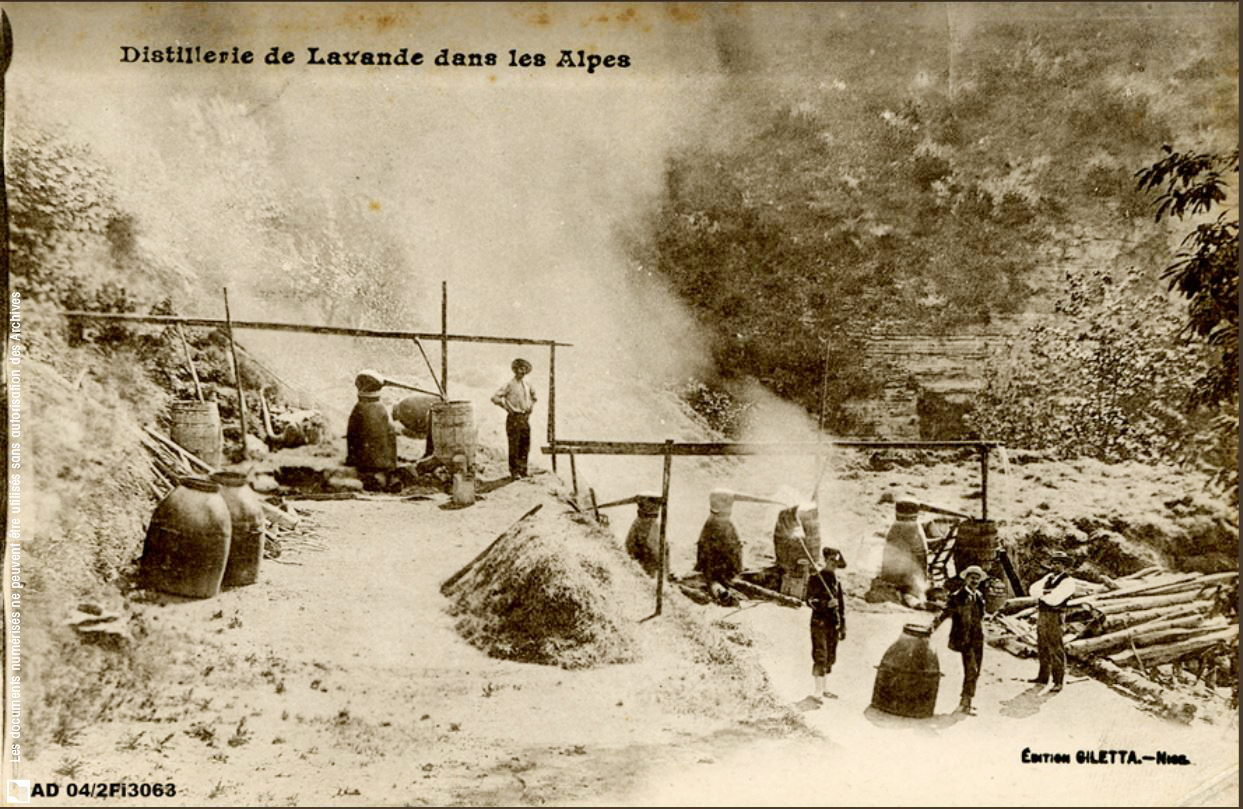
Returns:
<point x="340" y="680"/>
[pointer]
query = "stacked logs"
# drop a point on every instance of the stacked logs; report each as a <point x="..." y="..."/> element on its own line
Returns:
<point x="1146" y="620"/>
<point x="284" y="533"/>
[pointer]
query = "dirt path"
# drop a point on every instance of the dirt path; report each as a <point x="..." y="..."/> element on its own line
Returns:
<point x="870" y="758"/>
<point x="339" y="679"/>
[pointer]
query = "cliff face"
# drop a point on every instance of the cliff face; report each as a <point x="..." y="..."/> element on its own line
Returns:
<point x="929" y="378"/>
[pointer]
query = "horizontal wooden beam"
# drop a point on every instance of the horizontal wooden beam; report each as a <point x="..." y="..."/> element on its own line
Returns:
<point x="338" y="331"/>
<point x="740" y="448"/>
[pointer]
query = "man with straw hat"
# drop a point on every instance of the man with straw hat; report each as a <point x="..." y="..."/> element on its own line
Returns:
<point x="828" y="619"/>
<point x="1052" y="592"/>
<point x="966" y="609"/>
<point x="517" y="398"/>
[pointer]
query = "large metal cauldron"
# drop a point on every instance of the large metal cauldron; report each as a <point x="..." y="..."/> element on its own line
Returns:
<point x="246" y="516"/>
<point x="187" y="545"/>
<point x="908" y="676"/>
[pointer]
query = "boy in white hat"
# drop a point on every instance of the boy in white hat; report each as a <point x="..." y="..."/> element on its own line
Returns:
<point x="966" y="609"/>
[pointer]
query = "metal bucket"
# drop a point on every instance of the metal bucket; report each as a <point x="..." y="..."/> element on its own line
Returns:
<point x="908" y="676"/>
<point x="453" y="431"/>
<point x="187" y="544"/>
<point x="196" y="427"/>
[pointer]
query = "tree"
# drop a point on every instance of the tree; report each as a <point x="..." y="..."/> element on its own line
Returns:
<point x="1206" y="269"/>
<point x="1206" y="272"/>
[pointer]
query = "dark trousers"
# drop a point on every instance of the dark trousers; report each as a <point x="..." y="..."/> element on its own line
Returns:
<point x="972" y="656"/>
<point x="823" y="646"/>
<point x="518" y="431"/>
<point x="1050" y="647"/>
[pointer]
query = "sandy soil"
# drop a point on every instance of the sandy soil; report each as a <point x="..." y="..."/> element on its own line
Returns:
<point x="339" y="680"/>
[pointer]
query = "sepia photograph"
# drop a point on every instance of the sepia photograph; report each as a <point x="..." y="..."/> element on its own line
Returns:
<point x="620" y="404"/>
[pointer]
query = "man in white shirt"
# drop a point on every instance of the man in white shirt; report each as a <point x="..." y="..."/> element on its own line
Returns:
<point x="517" y="398"/>
<point x="1052" y="592"/>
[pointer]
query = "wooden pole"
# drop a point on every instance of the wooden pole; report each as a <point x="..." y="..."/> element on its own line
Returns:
<point x="237" y="372"/>
<point x="595" y="508"/>
<point x="444" y="338"/>
<point x="552" y="406"/>
<point x="430" y="370"/>
<point x="983" y="481"/>
<point x="565" y="445"/>
<point x="664" y="522"/>
<point x="332" y="331"/>
<point x="573" y="475"/>
<point x="198" y="390"/>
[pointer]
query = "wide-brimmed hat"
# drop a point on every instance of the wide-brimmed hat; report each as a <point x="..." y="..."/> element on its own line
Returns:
<point x="976" y="569"/>
<point x="1064" y="558"/>
<point x="520" y="363"/>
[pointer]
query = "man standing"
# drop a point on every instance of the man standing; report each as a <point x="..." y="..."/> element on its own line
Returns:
<point x="517" y="398"/>
<point x="828" y="618"/>
<point x="966" y="608"/>
<point x="1052" y="592"/>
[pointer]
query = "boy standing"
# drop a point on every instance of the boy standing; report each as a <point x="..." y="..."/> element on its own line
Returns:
<point x="828" y="618"/>
<point x="517" y="398"/>
<point x="966" y="608"/>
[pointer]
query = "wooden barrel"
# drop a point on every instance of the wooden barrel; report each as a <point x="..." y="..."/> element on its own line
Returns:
<point x="909" y="675"/>
<point x="453" y="431"/>
<point x="975" y="544"/>
<point x="246" y="539"/>
<point x="187" y="545"/>
<point x="196" y="427"/>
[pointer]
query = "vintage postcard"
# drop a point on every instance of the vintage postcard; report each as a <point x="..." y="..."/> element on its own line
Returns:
<point x="621" y="404"/>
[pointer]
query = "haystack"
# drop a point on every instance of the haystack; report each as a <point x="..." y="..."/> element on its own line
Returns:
<point x="551" y="590"/>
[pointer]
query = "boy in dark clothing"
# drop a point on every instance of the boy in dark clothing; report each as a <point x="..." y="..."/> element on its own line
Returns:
<point x="828" y="618"/>
<point x="966" y="608"/>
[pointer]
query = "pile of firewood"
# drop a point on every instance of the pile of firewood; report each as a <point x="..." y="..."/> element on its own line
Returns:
<point x="1148" y="621"/>
<point x="169" y="462"/>
<point x="741" y="588"/>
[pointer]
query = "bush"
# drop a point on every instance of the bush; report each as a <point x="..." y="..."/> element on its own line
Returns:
<point x="1110" y="380"/>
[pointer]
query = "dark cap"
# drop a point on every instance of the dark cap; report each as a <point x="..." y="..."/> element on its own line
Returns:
<point x="520" y="363"/>
<point x="832" y="554"/>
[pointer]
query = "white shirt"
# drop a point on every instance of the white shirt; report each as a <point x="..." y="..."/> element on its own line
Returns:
<point x="516" y="396"/>
<point x="1054" y="590"/>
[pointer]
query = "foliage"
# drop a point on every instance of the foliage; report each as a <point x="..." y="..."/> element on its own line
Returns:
<point x="63" y="218"/>
<point x="1205" y="271"/>
<point x="721" y="411"/>
<point x="871" y="201"/>
<point x="1102" y="381"/>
